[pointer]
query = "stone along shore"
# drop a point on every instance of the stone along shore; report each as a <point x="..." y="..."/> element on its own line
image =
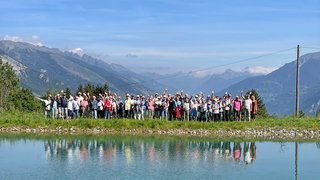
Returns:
<point x="269" y="133"/>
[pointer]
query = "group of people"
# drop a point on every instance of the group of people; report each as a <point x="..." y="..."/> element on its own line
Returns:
<point x="163" y="106"/>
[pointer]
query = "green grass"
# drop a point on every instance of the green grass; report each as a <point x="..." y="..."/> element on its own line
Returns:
<point x="34" y="120"/>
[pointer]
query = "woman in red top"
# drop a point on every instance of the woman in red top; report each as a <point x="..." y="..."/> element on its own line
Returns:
<point x="107" y="108"/>
<point x="254" y="108"/>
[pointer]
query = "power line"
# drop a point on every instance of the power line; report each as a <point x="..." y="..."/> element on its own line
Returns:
<point x="217" y="66"/>
<point x="306" y="47"/>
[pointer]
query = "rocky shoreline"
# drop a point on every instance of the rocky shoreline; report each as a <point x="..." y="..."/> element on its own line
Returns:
<point x="268" y="133"/>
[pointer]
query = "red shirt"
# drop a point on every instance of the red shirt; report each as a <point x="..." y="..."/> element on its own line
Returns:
<point x="107" y="104"/>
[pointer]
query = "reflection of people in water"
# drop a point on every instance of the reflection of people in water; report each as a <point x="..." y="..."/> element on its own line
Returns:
<point x="237" y="151"/>
<point x="253" y="151"/>
<point x="247" y="153"/>
<point x="151" y="153"/>
<point x="226" y="150"/>
<point x="108" y="152"/>
<point x="216" y="148"/>
<point x="84" y="151"/>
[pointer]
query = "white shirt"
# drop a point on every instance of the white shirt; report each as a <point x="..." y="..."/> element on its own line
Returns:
<point x="248" y="103"/>
<point x="76" y="104"/>
<point x="70" y="105"/>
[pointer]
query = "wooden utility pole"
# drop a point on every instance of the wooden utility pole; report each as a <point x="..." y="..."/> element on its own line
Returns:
<point x="297" y="81"/>
<point x="296" y="162"/>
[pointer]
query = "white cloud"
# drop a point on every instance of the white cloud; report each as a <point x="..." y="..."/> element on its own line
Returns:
<point x="78" y="51"/>
<point x="130" y="55"/>
<point x="35" y="40"/>
<point x="257" y="70"/>
<point x="260" y="70"/>
<point x="13" y="38"/>
<point x="207" y="72"/>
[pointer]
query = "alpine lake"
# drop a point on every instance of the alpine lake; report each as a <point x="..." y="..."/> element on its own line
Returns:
<point x="154" y="157"/>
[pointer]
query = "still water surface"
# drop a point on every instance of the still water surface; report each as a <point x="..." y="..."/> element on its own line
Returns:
<point x="124" y="157"/>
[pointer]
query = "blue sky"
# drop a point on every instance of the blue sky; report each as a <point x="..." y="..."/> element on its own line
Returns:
<point x="168" y="36"/>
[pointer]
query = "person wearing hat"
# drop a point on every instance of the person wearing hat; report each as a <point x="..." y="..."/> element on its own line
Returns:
<point x="237" y="108"/>
<point x="227" y="107"/>
<point x="137" y="108"/>
<point x="216" y="109"/>
<point x="127" y="106"/>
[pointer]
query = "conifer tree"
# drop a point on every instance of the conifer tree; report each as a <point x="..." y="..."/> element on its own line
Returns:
<point x="89" y="88"/>
<point x="11" y="95"/>
<point x="262" y="110"/>
<point x="9" y="82"/>
<point x="68" y="92"/>
<point x="80" y="88"/>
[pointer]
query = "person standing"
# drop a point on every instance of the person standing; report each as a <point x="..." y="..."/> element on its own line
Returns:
<point x="84" y="106"/>
<point x="143" y="107"/>
<point x="94" y="107"/>
<point x="70" y="108"/>
<point x="54" y="108"/>
<point x="119" y="108"/>
<point x="76" y="107"/>
<point x="164" y="108"/>
<point x="237" y="108"/>
<point x="47" y="106"/>
<point x="64" y="107"/>
<point x="107" y="108"/>
<point x="114" y="108"/>
<point x="127" y="106"/>
<point x="248" y="107"/>
<point x="186" y="110"/>
<point x="216" y="110"/>
<point x="137" y="108"/>
<point x="59" y="105"/>
<point x="194" y="108"/>
<point x="254" y="108"/>
<point x="227" y="107"/>
<point x="178" y="107"/>
<point x="100" y="107"/>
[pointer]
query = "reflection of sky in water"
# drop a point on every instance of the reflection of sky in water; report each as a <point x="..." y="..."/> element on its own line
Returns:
<point x="135" y="158"/>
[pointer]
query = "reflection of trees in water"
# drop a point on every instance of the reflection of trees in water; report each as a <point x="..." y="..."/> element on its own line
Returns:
<point x="318" y="145"/>
<point x="152" y="150"/>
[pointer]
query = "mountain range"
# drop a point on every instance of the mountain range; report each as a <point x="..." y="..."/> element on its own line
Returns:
<point x="41" y="68"/>
<point x="193" y="83"/>
<point x="278" y="88"/>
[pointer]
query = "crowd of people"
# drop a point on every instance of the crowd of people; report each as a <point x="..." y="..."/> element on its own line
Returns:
<point x="163" y="106"/>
